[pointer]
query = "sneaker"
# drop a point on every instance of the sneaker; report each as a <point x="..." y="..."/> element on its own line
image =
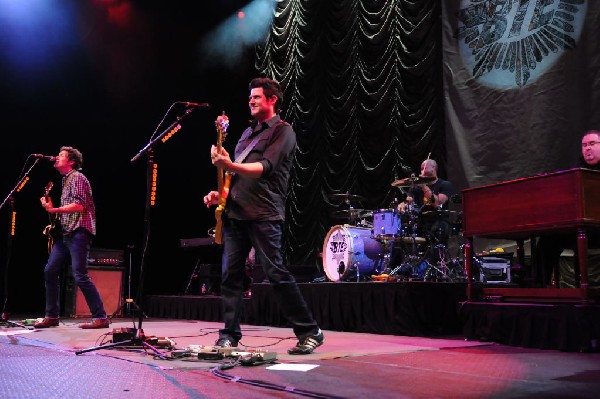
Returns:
<point x="226" y="343"/>
<point x="307" y="345"/>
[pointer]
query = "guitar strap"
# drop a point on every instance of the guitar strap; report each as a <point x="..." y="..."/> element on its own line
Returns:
<point x="247" y="150"/>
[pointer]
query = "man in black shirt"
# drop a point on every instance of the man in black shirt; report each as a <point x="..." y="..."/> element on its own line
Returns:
<point x="254" y="216"/>
<point x="432" y="200"/>
<point x="550" y="247"/>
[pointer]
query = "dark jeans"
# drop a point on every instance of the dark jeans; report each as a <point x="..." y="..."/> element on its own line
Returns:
<point x="75" y="247"/>
<point x="239" y="236"/>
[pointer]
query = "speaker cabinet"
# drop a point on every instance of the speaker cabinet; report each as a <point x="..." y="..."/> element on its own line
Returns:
<point x="108" y="281"/>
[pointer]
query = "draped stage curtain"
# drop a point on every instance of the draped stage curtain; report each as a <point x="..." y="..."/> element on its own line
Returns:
<point x="363" y="90"/>
<point x="522" y="85"/>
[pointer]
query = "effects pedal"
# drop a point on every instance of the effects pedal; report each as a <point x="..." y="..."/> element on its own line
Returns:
<point x="255" y="358"/>
<point x="123" y="334"/>
<point x="210" y="352"/>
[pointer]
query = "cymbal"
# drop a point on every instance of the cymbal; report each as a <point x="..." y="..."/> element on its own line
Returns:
<point x="412" y="181"/>
<point x="346" y="197"/>
<point x="438" y="212"/>
<point x="348" y="213"/>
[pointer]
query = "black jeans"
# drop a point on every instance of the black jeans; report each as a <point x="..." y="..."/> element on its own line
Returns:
<point x="239" y="236"/>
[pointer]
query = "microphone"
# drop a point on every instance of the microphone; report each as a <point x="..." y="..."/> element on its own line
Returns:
<point x="195" y="105"/>
<point x="46" y="157"/>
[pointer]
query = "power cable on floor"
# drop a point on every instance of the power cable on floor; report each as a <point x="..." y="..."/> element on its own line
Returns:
<point x="217" y="372"/>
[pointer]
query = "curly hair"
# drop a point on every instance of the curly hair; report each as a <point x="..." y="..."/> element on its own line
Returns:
<point x="75" y="156"/>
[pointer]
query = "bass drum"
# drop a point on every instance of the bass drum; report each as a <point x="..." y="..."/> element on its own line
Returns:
<point x="350" y="252"/>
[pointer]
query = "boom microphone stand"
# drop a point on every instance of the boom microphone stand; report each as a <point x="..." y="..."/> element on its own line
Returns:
<point x="11" y="231"/>
<point x="139" y="339"/>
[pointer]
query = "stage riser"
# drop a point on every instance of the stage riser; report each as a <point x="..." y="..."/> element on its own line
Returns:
<point x="565" y="327"/>
<point x="412" y="308"/>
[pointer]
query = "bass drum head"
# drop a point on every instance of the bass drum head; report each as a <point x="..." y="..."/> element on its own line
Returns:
<point x="349" y="247"/>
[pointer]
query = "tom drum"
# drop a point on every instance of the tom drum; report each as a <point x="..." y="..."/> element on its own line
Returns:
<point x="386" y="223"/>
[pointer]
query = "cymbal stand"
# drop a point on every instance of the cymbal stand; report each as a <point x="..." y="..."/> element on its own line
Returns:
<point x="413" y="259"/>
<point x="443" y="266"/>
<point x="139" y="338"/>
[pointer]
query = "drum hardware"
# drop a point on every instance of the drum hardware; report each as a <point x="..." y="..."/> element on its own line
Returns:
<point x="438" y="212"/>
<point x="456" y="199"/>
<point x="341" y="269"/>
<point x="347" y="197"/>
<point x="351" y="213"/>
<point x="354" y="217"/>
<point x="413" y="269"/>
<point x="411" y="240"/>
<point x="435" y="273"/>
<point x="413" y="181"/>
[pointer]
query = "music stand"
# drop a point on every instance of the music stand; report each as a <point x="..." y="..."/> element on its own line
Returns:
<point x="139" y="339"/>
<point x="11" y="200"/>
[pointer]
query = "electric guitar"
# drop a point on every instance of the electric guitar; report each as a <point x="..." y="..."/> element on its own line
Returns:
<point x="53" y="228"/>
<point x="223" y="178"/>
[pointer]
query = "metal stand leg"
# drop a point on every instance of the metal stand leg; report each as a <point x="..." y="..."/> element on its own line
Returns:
<point x="193" y="276"/>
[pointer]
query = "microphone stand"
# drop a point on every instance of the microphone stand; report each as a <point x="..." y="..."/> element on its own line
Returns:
<point x="139" y="338"/>
<point x="11" y="231"/>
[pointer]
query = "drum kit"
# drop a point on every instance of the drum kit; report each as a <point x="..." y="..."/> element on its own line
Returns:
<point x="390" y="244"/>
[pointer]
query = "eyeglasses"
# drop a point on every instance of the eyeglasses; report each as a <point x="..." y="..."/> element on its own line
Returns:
<point x="589" y="144"/>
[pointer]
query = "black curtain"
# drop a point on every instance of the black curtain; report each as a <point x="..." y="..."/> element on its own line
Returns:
<point x="363" y="90"/>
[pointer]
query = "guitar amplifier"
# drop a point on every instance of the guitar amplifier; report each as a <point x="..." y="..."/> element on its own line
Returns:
<point x="106" y="257"/>
<point x="108" y="281"/>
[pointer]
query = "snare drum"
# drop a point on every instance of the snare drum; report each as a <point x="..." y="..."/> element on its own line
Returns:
<point x="386" y="223"/>
<point x="350" y="251"/>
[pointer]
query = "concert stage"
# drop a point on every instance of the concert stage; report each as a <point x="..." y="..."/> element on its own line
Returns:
<point x="426" y="309"/>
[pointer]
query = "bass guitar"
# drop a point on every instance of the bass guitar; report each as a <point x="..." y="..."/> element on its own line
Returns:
<point x="223" y="178"/>
<point x="52" y="230"/>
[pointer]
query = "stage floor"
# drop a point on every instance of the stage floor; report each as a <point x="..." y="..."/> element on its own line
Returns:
<point x="43" y="363"/>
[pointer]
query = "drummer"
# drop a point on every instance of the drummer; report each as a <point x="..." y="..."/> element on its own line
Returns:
<point x="431" y="199"/>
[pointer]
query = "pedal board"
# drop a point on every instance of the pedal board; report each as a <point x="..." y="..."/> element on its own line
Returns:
<point x="212" y="353"/>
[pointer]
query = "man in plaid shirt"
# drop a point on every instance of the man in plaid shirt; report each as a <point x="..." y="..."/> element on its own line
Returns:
<point x="77" y="216"/>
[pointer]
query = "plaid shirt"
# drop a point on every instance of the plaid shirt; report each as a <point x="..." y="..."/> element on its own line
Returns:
<point x="77" y="189"/>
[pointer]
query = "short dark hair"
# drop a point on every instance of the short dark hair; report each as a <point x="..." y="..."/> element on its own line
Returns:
<point x="270" y="88"/>
<point x="596" y="132"/>
<point x="75" y="156"/>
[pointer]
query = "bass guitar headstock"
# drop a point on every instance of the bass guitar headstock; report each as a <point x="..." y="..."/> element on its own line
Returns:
<point x="222" y="123"/>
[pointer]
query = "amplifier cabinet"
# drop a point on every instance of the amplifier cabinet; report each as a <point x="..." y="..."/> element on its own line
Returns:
<point x="108" y="281"/>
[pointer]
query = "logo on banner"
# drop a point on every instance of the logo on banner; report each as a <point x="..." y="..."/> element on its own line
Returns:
<point x="513" y="42"/>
